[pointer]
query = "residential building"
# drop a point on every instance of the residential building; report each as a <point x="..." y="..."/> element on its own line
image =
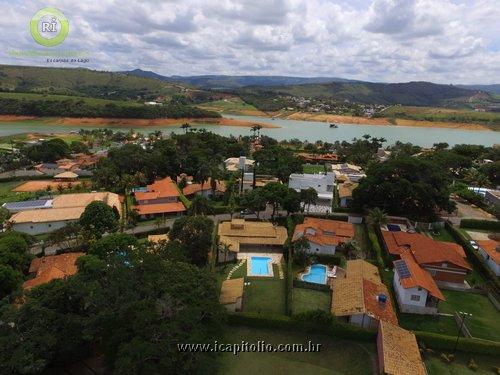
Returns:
<point x="159" y="199"/>
<point x="51" y="267"/>
<point x="348" y="171"/>
<point x="65" y="209"/>
<point x="492" y="197"/>
<point x="321" y="182"/>
<point x="445" y="261"/>
<point x="383" y="154"/>
<point x="231" y="294"/>
<point x="241" y="236"/>
<point x="398" y="352"/>
<point x="360" y="298"/>
<point x="205" y="189"/>
<point x="345" y="192"/>
<point x="66" y="176"/>
<point x="415" y="289"/>
<point x="324" y="235"/>
<point x="318" y="158"/>
<point x="239" y="164"/>
<point x="490" y="251"/>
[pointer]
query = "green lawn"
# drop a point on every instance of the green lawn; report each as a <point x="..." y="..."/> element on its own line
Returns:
<point x="485" y="318"/>
<point x="313" y="168"/>
<point x="362" y="239"/>
<point x="486" y="365"/>
<point x="264" y="296"/>
<point x="445" y="325"/>
<point x="443" y="235"/>
<point x="309" y="299"/>
<point x="336" y="356"/>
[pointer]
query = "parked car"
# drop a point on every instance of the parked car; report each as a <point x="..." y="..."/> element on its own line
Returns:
<point x="474" y="244"/>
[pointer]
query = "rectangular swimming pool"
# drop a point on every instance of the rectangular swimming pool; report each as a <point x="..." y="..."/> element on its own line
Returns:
<point x="260" y="266"/>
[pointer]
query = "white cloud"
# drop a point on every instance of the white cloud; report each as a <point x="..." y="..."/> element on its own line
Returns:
<point x="381" y="40"/>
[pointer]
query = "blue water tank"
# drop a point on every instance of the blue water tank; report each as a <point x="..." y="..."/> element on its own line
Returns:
<point x="382" y="298"/>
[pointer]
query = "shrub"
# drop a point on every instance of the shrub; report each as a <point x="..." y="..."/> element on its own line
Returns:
<point x="480" y="224"/>
<point x="469" y="345"/>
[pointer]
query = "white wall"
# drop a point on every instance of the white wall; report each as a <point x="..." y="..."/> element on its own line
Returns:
<point x="362" y="320"/>
<point x="40" y="228"/>
<point x="404" y="295"/>
<point x="315" y="248"/>
<point x="320" y="183"/>
<point x="490" y="262"/>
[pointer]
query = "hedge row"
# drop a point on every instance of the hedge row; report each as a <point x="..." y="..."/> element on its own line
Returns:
<point x="473" y="256"/>
<point x="336" y="260"/>
<point x="316" y="322"/>
<point x="314" y="286"/>
<point x="470" y="345"/>
<point x="480" y="224"/>
<point x="379" y="255"/>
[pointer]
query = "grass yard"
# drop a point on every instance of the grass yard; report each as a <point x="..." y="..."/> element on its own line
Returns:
<point x="486" y="365"/>
<point x="445" y="325"/>
<point x="313" y="168"/>
<point x="362" y="239"/>
<point x="264" y="296"/>
<point x="336" y="356"/>
<point x="442" y="235"/>
<point x="484" y="321"/>
<point x="309" y="299"/>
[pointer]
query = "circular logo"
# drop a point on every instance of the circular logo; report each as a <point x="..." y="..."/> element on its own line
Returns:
<point x="49" y="27"/>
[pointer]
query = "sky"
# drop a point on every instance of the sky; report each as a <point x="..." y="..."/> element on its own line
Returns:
<point x="443" y="41"/>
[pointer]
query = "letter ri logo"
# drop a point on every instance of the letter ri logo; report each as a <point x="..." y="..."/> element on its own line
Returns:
<point x="49" y="27"/>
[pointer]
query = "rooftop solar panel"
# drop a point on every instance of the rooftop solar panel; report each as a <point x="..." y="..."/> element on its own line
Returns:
<point x="402" y="269"/>
<point x="26" y="204"/>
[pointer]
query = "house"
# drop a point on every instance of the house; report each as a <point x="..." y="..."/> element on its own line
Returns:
<point x="317" y="158"/>
<point x="445" y="261"/>
<point x="50" y="169"/>
<point x="51" y="267"/>
<point x="490" y="251"/>
<point x="324" y="235"/>
<point x="492" y="197"/>
<point x="321" y="182"/>
<point x="383" y="154"/>
<point x="360" y="298"/>
<point x="348" y="171"/>
<point x="398" y="352"/>
<point x="193" y="188"/>
<point x="159" y="198"/>
<point x="242" y="236"/>
<point x="66" y="208"/>
<point x="345" y="192"/>
<point x="239" y="164"/>
<point x="415" y="289"/>
<point x="231" y="294"/>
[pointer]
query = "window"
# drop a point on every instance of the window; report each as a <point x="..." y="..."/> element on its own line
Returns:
<point x="419" y="288"/>
<point x="415" y="298"/>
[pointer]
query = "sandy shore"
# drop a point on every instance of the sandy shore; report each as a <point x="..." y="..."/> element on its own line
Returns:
<point x="100" y="121"/>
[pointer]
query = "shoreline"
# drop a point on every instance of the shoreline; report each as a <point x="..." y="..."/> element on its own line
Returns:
<point x="140" y="123"/>
<point x="353" y="120"/>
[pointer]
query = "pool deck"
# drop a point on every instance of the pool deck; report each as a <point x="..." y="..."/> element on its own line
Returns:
<point x="275" y="258"/>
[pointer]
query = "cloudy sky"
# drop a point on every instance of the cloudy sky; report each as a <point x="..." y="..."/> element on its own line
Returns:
<point x="446" y="41"/>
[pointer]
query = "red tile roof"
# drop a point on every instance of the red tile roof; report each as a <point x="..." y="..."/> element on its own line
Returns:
<point x="380" y="310"/>
<point x="164" y="188"/>
<point x="160" y="208"/>
<point x="425" y="249"/>
<point x="492" y="248"/>
<point x="326" y="232"/>
<point x="194" y="188"/>
<point x="418" y="277"/>
<point x="52" y="267"/>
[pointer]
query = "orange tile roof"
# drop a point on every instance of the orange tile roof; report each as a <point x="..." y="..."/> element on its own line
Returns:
<point x="163" y="188"/>
<point x="160" y="208"/>
<point x="327" y="232"/>
<point x="399" y="351"/>
<point x="379" y="310"/>
<point x="195" y="188"/>
<point x="425" y="249"/>
<point x="52" y="267"/>
<point x="419" y="277"/>
<point x="492" y="248"/>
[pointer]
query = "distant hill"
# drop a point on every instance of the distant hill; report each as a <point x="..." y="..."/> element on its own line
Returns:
<point x="410" y="93"/>
<point x="493" y="89"/>
<point x="82" y="82"/>
<point x="230" y="82"/>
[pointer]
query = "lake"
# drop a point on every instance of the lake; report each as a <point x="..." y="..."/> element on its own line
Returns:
<point x="303" y="130"/>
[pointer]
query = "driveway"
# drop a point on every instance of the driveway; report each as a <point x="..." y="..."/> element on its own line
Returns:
<point x="467" y="211"/>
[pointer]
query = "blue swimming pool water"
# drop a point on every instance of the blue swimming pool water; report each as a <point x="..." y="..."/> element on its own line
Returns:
<point x="259" y="266"/>
<point x="316" y="275"/>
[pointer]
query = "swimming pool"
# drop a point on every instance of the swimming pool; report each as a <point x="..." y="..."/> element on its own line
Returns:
<point x="317" y="274"/>
<point x="260" y="266"/>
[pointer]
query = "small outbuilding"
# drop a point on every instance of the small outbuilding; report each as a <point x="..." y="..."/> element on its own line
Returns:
<point x="231" y="294"/>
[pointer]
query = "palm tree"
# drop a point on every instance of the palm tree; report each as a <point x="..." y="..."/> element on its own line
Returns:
<point x="224" y="249"/>
<point x="186" y="127"/>
<point x="200" y="205"/>
<point x="377" y="217"/>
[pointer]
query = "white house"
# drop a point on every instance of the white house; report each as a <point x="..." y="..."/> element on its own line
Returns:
<point x="348" y="171"/>
<point x="490" y="251"/>
<point x="322" y="183"/>
<point x="416" y="290"/>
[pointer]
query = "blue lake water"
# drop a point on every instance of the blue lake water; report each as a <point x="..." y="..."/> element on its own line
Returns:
<point x="303" y="130"/>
